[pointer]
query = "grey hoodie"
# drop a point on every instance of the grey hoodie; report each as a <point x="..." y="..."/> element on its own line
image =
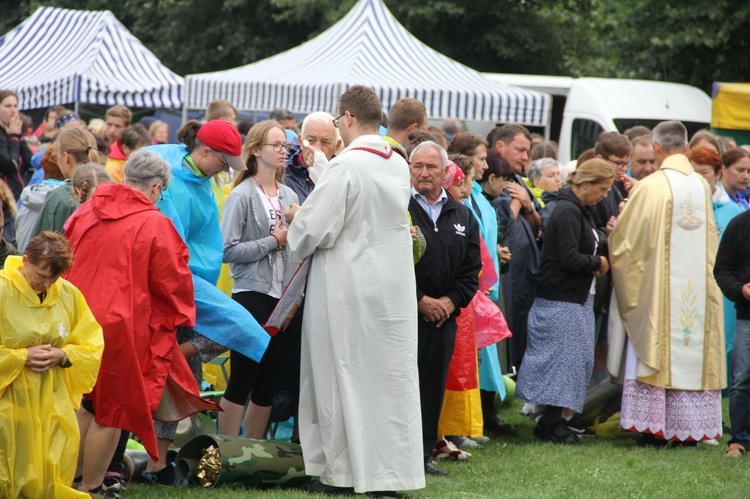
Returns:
<point x="32" y="200"/>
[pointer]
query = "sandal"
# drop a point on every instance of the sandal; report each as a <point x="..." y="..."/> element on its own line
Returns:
<point x="445" y="449"/>
<point x="558" y="433"/>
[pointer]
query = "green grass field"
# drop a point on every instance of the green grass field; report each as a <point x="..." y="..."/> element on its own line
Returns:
<point x="524" y="467"/>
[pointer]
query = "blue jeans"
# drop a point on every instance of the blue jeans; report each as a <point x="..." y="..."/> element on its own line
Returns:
<point x="739" y="395"/>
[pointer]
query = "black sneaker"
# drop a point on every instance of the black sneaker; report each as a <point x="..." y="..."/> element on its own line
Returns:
<point x="558" y="433"/>
<point x="165" y="476"/>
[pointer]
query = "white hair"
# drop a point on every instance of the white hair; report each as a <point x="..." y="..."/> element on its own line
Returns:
<point x="566" y="170"/>
<point x="537" y="167"/>
<point x="320" y="117"/>
<point x="143" y="168"/>
<point x="433" y="145"/>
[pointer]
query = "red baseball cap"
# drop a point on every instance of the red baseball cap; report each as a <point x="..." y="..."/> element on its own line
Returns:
<point x="223" y="137"/>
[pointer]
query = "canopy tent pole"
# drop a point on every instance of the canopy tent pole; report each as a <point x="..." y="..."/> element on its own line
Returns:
<point x="185" y="93"/>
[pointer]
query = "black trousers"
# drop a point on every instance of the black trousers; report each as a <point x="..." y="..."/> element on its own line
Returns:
<point x="434" y="352"/>
<point x="260" y="378"/>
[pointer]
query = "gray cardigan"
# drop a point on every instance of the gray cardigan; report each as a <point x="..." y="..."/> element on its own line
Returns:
<point x="247" y="244"/>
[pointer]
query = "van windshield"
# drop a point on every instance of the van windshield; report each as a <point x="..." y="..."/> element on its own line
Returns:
<point x="624" y="124"/>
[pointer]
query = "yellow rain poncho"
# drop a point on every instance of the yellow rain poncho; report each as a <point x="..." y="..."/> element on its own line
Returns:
<point x="38" y="429"/>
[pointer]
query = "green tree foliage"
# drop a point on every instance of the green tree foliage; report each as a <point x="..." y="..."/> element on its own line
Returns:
<point x="694" y="42"/>
<point x="507" y="36"/>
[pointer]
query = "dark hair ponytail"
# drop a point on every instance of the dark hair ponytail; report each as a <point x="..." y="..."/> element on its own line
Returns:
<point x="188" y="134"/>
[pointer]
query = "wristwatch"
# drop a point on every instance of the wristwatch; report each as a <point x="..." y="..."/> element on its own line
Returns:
<point x="529" y="211"/>
<point x="65" y="362"/>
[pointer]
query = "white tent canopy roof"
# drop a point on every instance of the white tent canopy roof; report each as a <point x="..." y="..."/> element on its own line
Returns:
<point x="59" y="56"/>
<point x="368" y="46"/>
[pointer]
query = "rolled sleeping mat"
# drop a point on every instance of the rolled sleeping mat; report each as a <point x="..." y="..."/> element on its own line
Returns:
<point x="215" y="460"/>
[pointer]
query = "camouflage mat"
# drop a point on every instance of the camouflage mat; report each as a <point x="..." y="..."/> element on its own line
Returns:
<point x="215" y="460"/>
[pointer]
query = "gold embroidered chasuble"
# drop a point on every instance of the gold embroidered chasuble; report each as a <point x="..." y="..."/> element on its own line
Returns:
<point x="662" y="254"/>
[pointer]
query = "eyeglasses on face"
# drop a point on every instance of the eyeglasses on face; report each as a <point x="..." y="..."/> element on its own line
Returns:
<point x="223" y="160"/>
<point x="619" y="164"/>
<point x="278" y="146"/>
<point x="336" y="120"/>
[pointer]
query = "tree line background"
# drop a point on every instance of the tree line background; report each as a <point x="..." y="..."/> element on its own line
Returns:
<point x="691" y="41"/>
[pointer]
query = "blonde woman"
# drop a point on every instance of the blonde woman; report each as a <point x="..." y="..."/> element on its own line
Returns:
<point x="560" y="352"/>
<point x="254" y="235"/>
<point x="74" y="146"/>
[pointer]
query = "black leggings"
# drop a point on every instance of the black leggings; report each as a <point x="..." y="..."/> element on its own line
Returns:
<point x="246" y="374"/>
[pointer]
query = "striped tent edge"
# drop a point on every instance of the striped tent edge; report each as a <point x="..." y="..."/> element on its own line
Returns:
<point x="62" y="56"/>
<point x="368" y="46"/>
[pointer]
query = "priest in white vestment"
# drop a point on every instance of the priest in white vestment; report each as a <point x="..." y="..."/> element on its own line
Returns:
<point x="359" y="411"/>
<point x="667" y="342"/>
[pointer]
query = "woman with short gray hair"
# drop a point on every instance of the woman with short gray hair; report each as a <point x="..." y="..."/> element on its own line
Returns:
<point x="132" y="267"/>
<point x="147" y="172"/>
<point x="543" y="177"/>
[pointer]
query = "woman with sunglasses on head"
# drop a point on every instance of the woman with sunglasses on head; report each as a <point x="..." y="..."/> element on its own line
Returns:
<point x="254" y="233"/>
<point x="73" y="147"/>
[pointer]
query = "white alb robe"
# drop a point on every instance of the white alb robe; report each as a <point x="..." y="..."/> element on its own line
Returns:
<point x="359" y="412"/>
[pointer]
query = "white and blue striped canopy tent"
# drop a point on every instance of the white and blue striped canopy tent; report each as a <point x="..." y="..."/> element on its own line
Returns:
<point x="60" y="56"/>
<point x="370" y="47"/>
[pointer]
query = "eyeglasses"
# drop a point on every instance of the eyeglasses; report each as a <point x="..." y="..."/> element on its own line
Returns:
<point x="336" y="120"/>
<point x="221" y="157"/>
<point x="161" y="191"/>
<point x="278" y="146"/>
<point x="620" y="164"/>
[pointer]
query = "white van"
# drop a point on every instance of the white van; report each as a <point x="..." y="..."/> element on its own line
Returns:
<point x="582" y="108"/>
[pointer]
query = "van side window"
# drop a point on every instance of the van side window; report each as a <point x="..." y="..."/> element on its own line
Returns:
<point x="584" y="136"/>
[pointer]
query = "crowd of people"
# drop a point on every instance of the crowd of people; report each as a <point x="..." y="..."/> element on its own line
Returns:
<point x="408" y="272"/>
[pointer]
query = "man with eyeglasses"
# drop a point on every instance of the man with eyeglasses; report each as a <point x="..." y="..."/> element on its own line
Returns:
<point x="616" y="150"/>
<point x="359" y="411"/>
